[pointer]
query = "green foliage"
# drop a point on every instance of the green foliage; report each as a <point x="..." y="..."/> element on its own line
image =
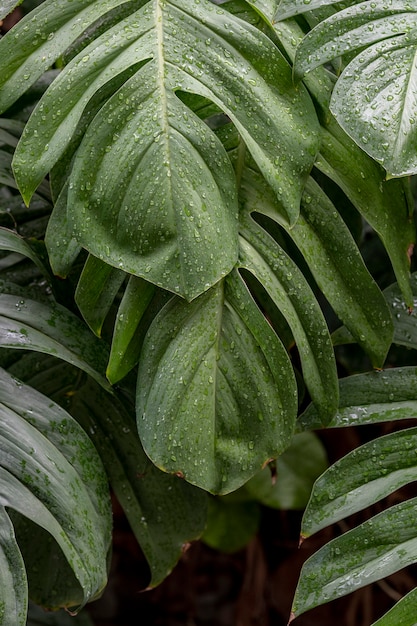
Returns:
<point x="200" y="179"/>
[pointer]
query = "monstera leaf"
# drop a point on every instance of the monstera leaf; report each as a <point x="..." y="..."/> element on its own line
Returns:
<point x="373" y="99"/>
<point x="152" y="190"/>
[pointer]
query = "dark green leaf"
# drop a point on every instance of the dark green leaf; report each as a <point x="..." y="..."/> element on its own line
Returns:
<point x="97" y="288"/>
<point x="370" y="398"/>
<point x="377" y="548"/>
<point x="50" y="328"/>
<point x="361" y="478"/>
<point x="216" y="390"/>
<point x="291" y="293"/>
<point x="297" y="469"/>
<point x="13" y="582"/>
<point x="230" y="525"/>
<point x="44" y="449"/>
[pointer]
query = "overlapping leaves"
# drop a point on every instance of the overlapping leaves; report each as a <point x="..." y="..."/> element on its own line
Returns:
<point x="136" y="208"/>
<point x="387" y="542"/>
<point x="374" y="97"/>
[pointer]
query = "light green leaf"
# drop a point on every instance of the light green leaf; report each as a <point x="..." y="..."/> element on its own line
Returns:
<point x="370" y="398"/>
<point x="50" y="328"/>
<point x="290" y="291"/>
<point x="13" y="582"/>
<point x="96" y="290"/>
<point x="44" y="449"/>
<point x="40" y="37"/>
<point x="6" y="6"/>
<point x="296" y="470"/>
<point x="361" y="478"/>
<point x="377" y="548"/>
<point x="290" y="8"/>
<point x="198" y="363"/>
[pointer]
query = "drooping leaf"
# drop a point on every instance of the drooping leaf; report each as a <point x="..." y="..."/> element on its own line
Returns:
<point x="127" y="335"/>
<point x="361" y="478"/>
<point x="373" y="99"/>
<point x="377" y="548"/>
<point x="216" y="393"/>
<point x="291" y="293"/>
<point x="164" y="512"/>
<point x="385" y="205"/>
<point x="334" y="260"/>
<point x="14" y="599"/>
<point x="26" y="324"/>
<point x="157" y="132"/>
<point x="51" y="475"/>
<point x="370" y="398"/>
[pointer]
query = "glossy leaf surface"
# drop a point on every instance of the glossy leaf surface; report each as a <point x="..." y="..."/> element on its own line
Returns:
<point x="361" y="478"/>
<point x="373" y="99"/>
<point x="26" y="324"/>
<point x="291" y="293"/>
<point x="164" y="512"/>
<point x="368" y="398"/>
<point x="375" y="549"/>
<point x="216" y="390"/>
<point x="44" y="449"/>
<point x="190" y="197"/>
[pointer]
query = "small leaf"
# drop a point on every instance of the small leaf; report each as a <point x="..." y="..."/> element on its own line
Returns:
<point x="370" y="398"/>
<point x="230" y="525"/>
<point x="297" y="469"/>
<point x="364" y="476"/>
<point x="128" y="335"/>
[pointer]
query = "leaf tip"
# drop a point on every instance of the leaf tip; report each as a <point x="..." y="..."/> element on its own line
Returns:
<point x="292" y="617"/>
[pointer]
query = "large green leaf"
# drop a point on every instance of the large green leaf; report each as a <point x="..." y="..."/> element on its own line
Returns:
<point x="386" y="205"/>
<point x="377" y="548"/>
<point x="334" y="260"/>
<point x="176" y="226"/>
<point x="216" y="393"/>
<point x="52" y="475"/>
<point x="373" y="99"/>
